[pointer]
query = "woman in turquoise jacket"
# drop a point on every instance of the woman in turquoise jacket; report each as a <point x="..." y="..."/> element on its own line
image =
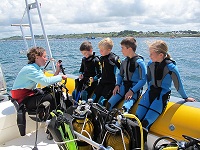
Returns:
<point x="24" y="87"/>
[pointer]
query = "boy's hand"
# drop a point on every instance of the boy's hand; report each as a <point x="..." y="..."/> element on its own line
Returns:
<point x="116" y="90"/>
<point x="128" y="95"/>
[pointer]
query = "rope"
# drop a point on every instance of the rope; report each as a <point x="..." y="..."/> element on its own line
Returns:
<point x="23" y="16"/>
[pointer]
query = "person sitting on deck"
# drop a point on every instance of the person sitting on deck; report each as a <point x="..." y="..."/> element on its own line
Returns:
<point x="161" y="71"/>
<point x="25" y="84"/>
<point x="131" y="78"/>
<point x="109" y="63"/>
<point x="90" y="72"/>
<point x="25" y="91"/>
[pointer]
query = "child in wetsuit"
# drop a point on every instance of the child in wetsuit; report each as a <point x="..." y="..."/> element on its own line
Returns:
<point x="90" y="72"/>
<point x="161" y="71"/>
<point x="109" y="63"/>
<point x="131" y="78"/>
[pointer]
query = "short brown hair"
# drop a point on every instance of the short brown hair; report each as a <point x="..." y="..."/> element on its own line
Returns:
<point x="129" y="42"/>
<point x="33" y="52"/>
<point x="86" y="46"/>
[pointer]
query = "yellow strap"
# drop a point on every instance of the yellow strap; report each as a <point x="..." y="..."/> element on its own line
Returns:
<point x="170" y="148"/>
<point x="52" y="114"/>
<point x="59" y="111"/>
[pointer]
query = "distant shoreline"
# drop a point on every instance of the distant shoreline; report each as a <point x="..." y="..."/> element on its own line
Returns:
<point x="125" y="33"/>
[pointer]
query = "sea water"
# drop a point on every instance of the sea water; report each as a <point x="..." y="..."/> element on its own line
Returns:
<point x="185" y="51"/>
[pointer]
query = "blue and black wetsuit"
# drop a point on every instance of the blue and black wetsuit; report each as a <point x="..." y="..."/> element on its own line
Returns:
<point x="154" y="100"/>
<point x="132" y="76"/>
<point x="90" y="67"/>
<point x="109" y="64"/>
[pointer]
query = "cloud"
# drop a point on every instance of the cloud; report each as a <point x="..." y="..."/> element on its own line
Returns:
<point x="83" y="16"/>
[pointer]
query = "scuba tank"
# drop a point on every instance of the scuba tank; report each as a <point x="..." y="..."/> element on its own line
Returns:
<point x="82" y="124"/>
<point x="116" y="136"/>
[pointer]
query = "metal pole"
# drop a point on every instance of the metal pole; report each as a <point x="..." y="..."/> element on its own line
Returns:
<point x="89" y="141"/>
<point x="30" y="23"/>
<point x="22" y="31"/>
<point x="26" y="44"/>
<point x="45" y="36"/>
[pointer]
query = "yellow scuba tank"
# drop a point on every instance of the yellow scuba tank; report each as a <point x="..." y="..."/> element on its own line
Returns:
<point x="83" y="125"/>
<point x="87" y="131"/>
<point x="117" y="137"/>
<point x="114" y="139"/>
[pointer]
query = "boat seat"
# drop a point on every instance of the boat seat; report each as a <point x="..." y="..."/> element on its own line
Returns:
<point x="38" y="115"/>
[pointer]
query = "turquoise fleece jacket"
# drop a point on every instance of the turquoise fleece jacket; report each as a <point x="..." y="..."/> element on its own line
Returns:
<point x="31" y="75"/>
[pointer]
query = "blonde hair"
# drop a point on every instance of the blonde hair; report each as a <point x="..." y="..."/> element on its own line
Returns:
<point x="160" y="46"/>
<point x="106" y="43"/>
<point x="33" y="52"/>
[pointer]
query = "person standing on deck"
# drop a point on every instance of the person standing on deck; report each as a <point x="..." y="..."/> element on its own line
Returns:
<point x="161" y="71"/>
<point x="131" y="78"/>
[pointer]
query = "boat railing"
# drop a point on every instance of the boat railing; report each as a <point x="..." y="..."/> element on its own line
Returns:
<point x="29" y="7"/>
<point x="23" y="35"/>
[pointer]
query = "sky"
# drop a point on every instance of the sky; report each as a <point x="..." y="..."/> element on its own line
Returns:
<point x="101" y="16"/>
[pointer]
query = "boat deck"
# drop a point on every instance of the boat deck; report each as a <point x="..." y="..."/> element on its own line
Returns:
<point x="27" y="142"/>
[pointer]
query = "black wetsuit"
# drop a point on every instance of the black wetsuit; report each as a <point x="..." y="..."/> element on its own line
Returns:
<point x="90" y="67"/>
<point x="109" y="64"/>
